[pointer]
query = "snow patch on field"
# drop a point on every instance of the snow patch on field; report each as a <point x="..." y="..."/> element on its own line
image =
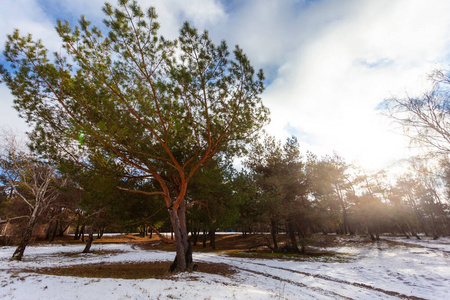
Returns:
<point x="381" y="270"/>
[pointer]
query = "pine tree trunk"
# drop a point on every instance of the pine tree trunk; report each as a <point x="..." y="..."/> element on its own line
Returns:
<point x="435" y="227"/>
<point x="52" y="238"/>
<point x="273" y="232"/>
<point x="180" y="259"/>
<point x="185" y="233"/>
<point x="77" y="232"/>
<point x="82" y="232"/>
<point x="204" y="238"/>
<point x="62" y="229"/>
<point x="48" y="231"/>
<point x="346" y="227"/>
<point x="292" y="236"/>
<point x="212" y="241"/>
<point x="402" y="231"/>
<point x="372" y="237"/>
<point x="194" y="237"/>
<point x="89" y="241"/>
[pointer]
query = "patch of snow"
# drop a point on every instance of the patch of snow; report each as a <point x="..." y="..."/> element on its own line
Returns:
<point x="378" y="270"/>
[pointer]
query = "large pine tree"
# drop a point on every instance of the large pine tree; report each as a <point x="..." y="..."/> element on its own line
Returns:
<point x="158" y="108"/>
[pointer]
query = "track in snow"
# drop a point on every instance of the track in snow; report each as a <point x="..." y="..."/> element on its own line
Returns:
<point x="318" y="276"/>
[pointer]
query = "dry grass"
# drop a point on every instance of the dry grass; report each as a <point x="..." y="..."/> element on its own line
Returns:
<point x="249" y="246"/>
<point x="224" y="243"/>
<point x="135" y="270"/>
<point x="120" y="238"/>
<point x="96" y="252"/>
<point x="237" y="244"/>
<point x="318" y="255"/>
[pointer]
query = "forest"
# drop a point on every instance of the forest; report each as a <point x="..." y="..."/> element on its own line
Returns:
<point x="131" y="132"/>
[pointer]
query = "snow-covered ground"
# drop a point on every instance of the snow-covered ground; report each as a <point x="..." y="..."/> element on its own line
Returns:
<point x="419" y="270"/>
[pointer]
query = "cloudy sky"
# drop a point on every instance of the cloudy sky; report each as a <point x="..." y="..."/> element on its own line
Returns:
<point x="328" y="63"/>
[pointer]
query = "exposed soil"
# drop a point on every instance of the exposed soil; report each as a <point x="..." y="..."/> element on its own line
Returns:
<point x="136" y="270"/>
<point x="96" y="252"/>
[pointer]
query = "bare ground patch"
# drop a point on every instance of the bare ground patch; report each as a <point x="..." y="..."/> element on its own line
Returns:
<point x="318" y="255"/>
<point x="106" y="239"/>
<point x="134" y="270"/>
<point x="93" y="252"/>
<point x="254" y="246"/>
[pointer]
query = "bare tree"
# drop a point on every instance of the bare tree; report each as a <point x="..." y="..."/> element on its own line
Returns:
<point x="30" y="180"/>
<point x="425" y="119"/>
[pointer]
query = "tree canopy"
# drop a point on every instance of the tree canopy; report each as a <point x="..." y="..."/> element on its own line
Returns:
<point x="159" y="109"/>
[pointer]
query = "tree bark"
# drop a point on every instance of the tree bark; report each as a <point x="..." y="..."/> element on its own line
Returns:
<point x="292" y="236"/>
<point x="18" y="254"/>
<point x="101" y="231"/>
<point x="194" y="237"/>
<point x="49" y="229"/>
<point x="402" y="230"/>
<point x="52" y="238"/>
<point x="91" y="235"/>
<point x="77" y="231"/>
<point x="369" y="230"/>
<point x="63" y="229"/>
<point x="180" y="258"/>
<point x="183" y="226"/>
<point x="212" y="241"/>
<point x="204" y="238"/>
<point x="90" y="240"/>
<point x="345" y="226"/>
<point x="273" y="232"/>
<point x="82" y="232"/>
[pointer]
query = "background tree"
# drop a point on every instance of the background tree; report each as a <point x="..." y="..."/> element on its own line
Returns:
<point x="97" y="194"/>
<point x="160" y="109"/>
<point x="281" y="181"/>
<point x="331" y="188"/>
<point x="430" y="193"/>
<point x="62" y="213"/>
<point x="213" y="203"/>
<point x="30" y="181"/>
<point x="246" y="192"/>
<point x="371" y="204"/>
<point x="425" y="119"/>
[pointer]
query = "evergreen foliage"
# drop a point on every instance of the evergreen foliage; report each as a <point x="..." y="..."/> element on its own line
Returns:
<point x="155" y="108"/>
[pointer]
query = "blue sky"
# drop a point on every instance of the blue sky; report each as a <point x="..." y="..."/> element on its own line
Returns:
<point x="329" y="63"/>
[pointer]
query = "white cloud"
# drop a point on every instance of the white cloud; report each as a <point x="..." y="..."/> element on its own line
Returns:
<point x="361" y="53"/>
<point x="261" y="28"/>
<point x="8" y="116"/>
<point x="28" y="17"/>
<point x="330" y="62"/>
